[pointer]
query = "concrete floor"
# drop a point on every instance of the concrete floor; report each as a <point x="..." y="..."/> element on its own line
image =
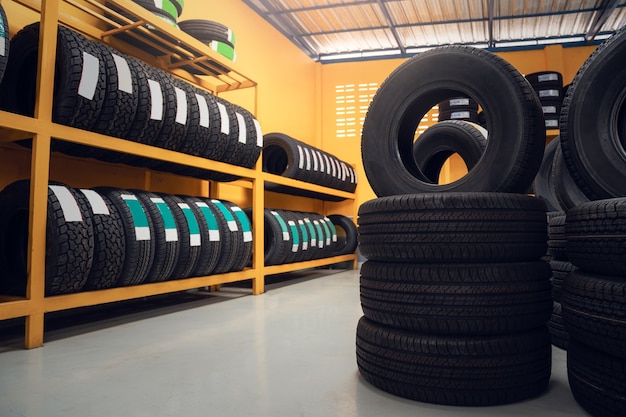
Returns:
<point x="287" y="353"/>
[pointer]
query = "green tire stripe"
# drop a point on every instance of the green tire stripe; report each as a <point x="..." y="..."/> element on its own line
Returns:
<point x="192" y="223"/>
<point x="283" y="225"/>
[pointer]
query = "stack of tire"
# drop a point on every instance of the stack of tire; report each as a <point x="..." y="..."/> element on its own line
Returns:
<point x="167" y="10"/>
<point x="291" y="158"/>
<point x="107" y="237"/>
<point x="294" y="236"/>
<point x="455" y="297"/>
<point x="215" y="35"/>
<point x="594" y="307"/>
<point x="458" y="108"/>
<point x="101" y="90"/>
<point x="455" y="293"/>
<point x="549" y="88"/>
<point x="561" y="267"/>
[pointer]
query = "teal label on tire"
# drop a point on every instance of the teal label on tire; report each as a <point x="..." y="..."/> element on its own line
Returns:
<point x="245" y="223"/>
<point x="326" y="231"/>
<point x="311" y="228"/>
<point x="228" y="215"/>
<point x="140" y="219"/>
<point x="282" y="224"/>
<point x="320" y="234"/>
<point x="296" y="237"/>
<point x="305" y="235"/>
<point x="192" y="223"/>
<point x="214" y="230"/>
<point x="171" y="232"/>
<point x="333" y="229"/>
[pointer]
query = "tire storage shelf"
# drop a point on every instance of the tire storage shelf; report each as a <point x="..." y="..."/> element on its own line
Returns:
<point x="172" y="49"/>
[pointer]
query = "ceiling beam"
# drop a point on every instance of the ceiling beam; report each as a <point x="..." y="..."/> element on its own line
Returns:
<point x="394" y="30"/>
<point x="605" y="9"/>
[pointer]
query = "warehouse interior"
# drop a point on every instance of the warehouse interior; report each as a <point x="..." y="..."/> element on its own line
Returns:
<point x="269" y="338"/>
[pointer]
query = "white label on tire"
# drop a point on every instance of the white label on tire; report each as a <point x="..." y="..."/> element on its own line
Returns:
<point x="158" y="4"/>
<point x="225" y="119"/>
<point x="549" y="93"/>
<point x="98" y="206"/>
<point x="321" y="159"/>
<point x="301" y="158"/>
<point x="314" y="160"/>
<point x="68" y="203"/>
<point x="552" y="123"/>
<point x="241" y="122"/>
<point x="204" y="111"/>
<point x="548" y="77"/>
<point x="549" y="109"/>
<point x="156" y="100"/>
<point x="327" y="164"/>
<point x="181" y="106"/>
<point x="332" y="161"/>
<point x="460" y="115"/>
<point x="89" y="77"/>
<point x="308" y="159"/>
<point x="459" y="102"/>
<point x="3" y="45"/>
<point x="259" y="133"/>
<point x="124" y="76"/>
<point x="343" y="171"/>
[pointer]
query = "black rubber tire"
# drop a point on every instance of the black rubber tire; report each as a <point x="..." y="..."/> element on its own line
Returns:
<point x="560" y="271"/>
<point x="515" y="123"/>
<point x="109" y="250"/>
<point x="457" y="299"/>
<point x="453" y="227"/>
<point x="593" y="122"/>
<point x="558" y="333"/>
<point x="6" y="41"/>
<point x="207" y="30"/>
<point x="565" y="189"/>
<point x="138" y="234"/>
<point x="295" y="252"/>
<point x="78" y="98"/>
<point x="250" y="132"/>
<point x="232" y="238"/>
<point x="594" y="311"/>
<point x="177" y="114"/>
<point x="440" y="141"/>
<point x="596" y="236"/>
<point x="166" y="236"/>
<point x="462" y="371"/>
<point x="69" y="240"/>
<point x="597" y="380"/>
<point x="557" y="245"/>
<point x="169" y="7"/>
<point x="211" y="243"/>
<point x="189" y="239"/>
<point x="277" y="237"/>
<point x="284" y="156"/>
<point x="306" y="252"/>
<point x="322" y="247"/>
<point x="542" y="185"/>
<point x="244" y="229"/>
<point x="347" y="240"/>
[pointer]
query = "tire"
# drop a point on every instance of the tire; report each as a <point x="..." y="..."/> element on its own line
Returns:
<point x="440" y="141"/>
<point x="295" y="253"/>
<point x="211" y="242"/>
<point x="277" y="239"/>
<point x="252" y="136"/>
<point x="284" y="156"/>
<point x="453" y="227"/>
<point x="232" y="238"/>
<point x="244" y="229"/>
<point x="177" y="113"/>
<point x="109" y="252"/>
<point x="558" y="333"/>
<point x="597" y="380"/>
<point x="557" y="245"/>
<point x="138" y="234"/>
<point x="594" y="311"/>
<point x="459" y="115"/>
<point x="543" y="184"/>
<point x="515" y="123"/>
<point x="346" y="231"/>
<point x="169" y="7"/>
<point x="206" y="31"/>
<point x="560" y="271"/>
<point x="462" y="371"/>
<point x="596" y="236"/>
<point x="543" y="79"/>
<point x="593" y="122"/>
<point x="78" y="98"/>
<point x="189" y="239"/>
<point x="6" y="41"/>
<point x="69" y="240"/>
<point x="565" y="189"/>
<point x="457" y="300"/>
<point x="166" y="236"/>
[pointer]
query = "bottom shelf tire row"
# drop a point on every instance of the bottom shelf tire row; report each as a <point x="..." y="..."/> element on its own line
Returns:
<point x="108" y="237"/>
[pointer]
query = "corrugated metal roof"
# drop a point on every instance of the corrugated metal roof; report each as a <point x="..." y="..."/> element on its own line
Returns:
<point x="364" y="28"/>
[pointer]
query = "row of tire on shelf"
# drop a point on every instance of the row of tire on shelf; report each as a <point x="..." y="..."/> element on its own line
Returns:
<point x="457" y="292"/>
<point x="108" y="237"/>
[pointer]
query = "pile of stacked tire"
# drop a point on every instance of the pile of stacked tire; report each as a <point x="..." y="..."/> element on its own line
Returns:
<point x="108" y="237"/>
<point x="594" y="307"/>
<point x="294" y="236"/>
<point x="101" y="90"/>
<point x="454" y="292"/>
<point x="561" y="267"/>
<point x="549" y="88"/>
<point x="215" y="35"/>
<point x="458" y="108"/>
<point x="166" y="10"/>
<point x="291" y="158"/>
<point x="587" y="158"/>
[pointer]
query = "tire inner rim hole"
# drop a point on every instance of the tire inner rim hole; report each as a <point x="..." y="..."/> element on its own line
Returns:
<point x="275" y="160"/>
<point x="620" y="124"/>
<point x="16" y="243"/>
